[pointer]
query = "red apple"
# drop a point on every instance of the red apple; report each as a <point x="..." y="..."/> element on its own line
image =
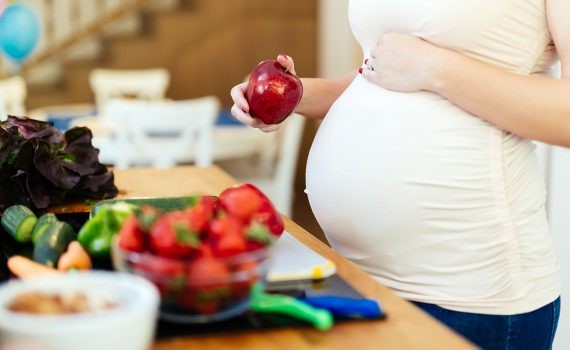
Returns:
<point x="273" y="92"/>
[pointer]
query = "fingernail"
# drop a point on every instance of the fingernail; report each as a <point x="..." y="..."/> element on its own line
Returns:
<point x="282" y="54"/>
<point x="366" y="61"/>
<point x="244" y="109"/>
<point x="360" y="70"/>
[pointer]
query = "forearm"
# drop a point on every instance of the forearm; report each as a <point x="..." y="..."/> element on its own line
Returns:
<point x="532" y="107"/>
<point x="319" y="94"/>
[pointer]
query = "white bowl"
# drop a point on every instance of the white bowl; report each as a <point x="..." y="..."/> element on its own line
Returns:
<point x="128" y="326"/>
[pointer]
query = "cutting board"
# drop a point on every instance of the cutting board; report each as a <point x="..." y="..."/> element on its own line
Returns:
<point x="292" y="260"/>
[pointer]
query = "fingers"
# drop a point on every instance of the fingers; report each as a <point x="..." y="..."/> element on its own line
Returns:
<point x="369" y="63"/>
<point x="240" y="115"/>
<point x="367" y="74"/>
<point x="240" y="109"/>
<point x="243" y="117"/>
<point x="270" y="128"/>
<point x="369" y="69"/>
<point x="286" y="62"/>
<point x="238" y="96"/>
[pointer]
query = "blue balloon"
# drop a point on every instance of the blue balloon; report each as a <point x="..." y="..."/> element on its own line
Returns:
<point x="19" y="31"/>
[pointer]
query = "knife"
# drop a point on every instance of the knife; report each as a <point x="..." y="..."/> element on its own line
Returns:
<point x="263" y="302"/>
<point x="332" y="294"/>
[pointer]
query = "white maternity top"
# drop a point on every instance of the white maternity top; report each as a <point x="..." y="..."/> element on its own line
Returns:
<point x="434" y="202"/>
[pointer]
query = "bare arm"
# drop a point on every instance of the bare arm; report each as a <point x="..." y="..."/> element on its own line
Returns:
<point x="318" y="97"/>
<point x="533" y="107"/>
<point x="319" y="94"/>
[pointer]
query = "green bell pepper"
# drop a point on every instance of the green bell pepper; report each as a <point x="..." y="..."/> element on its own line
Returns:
<point x="97" y="234"/>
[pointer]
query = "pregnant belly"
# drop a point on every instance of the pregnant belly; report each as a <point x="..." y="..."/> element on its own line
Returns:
<point x="390" y="174"/>
<point x="437" y="204"/>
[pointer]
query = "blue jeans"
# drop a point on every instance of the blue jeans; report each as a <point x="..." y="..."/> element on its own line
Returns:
<point x="533" y="330"/>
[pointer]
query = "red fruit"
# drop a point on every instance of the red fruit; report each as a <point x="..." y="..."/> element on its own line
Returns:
<point x="258" y="235"/>
<point x="240" y="201"/>
<point x="167" y="274"/>
<point x="249" y="275"/>
<point x="267" y="214"/>
<point x="172" y="236"/>
<point x="229" y="244"/>
<point x="208" y="279"/>
<point x="131" y="237"/>
<point x="148" y="216"/>
<point x="200" y="215"/>
<point x="253" y="245"/>
<point x="273" y="92"/>
<point x="207" y="271"/>
<point x="225" y="225"/>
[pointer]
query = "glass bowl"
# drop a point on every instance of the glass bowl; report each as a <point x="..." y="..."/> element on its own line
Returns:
<point x="194" y="291"/>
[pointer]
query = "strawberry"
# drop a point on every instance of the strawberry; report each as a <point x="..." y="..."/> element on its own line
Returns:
<point x="228" y="245"/>
<point x="240" y="201"/>
<point x="167" y="274"/>
<point x="131" y="237"/>
<point x="200" y="215"/>
<point x="267" y="214"/>
<point x="258" y="235"/>
<point x="207" y="271"/>
<point x="148" y="216"/>
<point x="249" y="275"/>
<point x="172" y="236"/>
<point x="208" y="279"/>
<point x="227" y="236"/>
<point x="225" y="225"/>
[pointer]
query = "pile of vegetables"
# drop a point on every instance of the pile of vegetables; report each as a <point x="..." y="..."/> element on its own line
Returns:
<point x="54" y="244"/>
<point x="41" y="166"/>
<point x="203" y="255"/>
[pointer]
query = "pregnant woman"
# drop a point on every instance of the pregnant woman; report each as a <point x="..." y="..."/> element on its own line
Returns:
<point x="423" y="171"/>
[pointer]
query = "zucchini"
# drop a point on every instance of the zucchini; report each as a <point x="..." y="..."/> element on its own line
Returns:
<point x="53" y="242"/>
<point x="41" y="225"/>
<point x="19" y="221"/>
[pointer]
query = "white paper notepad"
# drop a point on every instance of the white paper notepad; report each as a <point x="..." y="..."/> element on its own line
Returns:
<point x="292" y="260"/>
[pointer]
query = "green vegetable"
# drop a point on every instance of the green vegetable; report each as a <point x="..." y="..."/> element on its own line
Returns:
<point x="97" y="233"/>
<point x="165" y="204"/>
<point x="53" y="242"/>
<point x="18" y="220"/>
<point x="41" y="225"/>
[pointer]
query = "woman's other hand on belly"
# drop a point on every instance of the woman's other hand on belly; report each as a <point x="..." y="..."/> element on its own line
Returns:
<point x="402" y="62"/>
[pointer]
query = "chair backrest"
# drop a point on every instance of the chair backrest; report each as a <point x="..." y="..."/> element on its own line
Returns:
<point x="289" y="144"/>
<point x="278" y="163"/>
<point x="163" y="133"/>
<point x="13" y="93"/>
<point x="146" y="84"/>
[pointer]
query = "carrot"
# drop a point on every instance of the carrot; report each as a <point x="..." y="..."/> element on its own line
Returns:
<point x="75" y="258"/>
<point x="25" y="268"/>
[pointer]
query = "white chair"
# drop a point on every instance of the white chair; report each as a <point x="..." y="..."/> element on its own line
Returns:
<point x="275" y="169"/>
<point x="158" y="133"/>
<point x="146" y="84"/>
<point x="13" y="94"/>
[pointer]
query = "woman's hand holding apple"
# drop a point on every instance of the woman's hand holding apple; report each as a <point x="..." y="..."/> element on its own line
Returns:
<point x="263" y="77"/>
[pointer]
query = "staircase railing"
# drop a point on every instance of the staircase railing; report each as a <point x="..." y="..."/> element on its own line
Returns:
<point x="66" y="23"/>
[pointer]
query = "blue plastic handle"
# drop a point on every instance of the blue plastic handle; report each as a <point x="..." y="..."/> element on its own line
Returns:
<point x="346" y="307"/>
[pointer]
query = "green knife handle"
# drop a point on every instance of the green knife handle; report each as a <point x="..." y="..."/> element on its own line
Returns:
<point x="286" y="305"/>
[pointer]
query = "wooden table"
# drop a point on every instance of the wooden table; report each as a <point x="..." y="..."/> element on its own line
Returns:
<point x="405" y="328"/>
